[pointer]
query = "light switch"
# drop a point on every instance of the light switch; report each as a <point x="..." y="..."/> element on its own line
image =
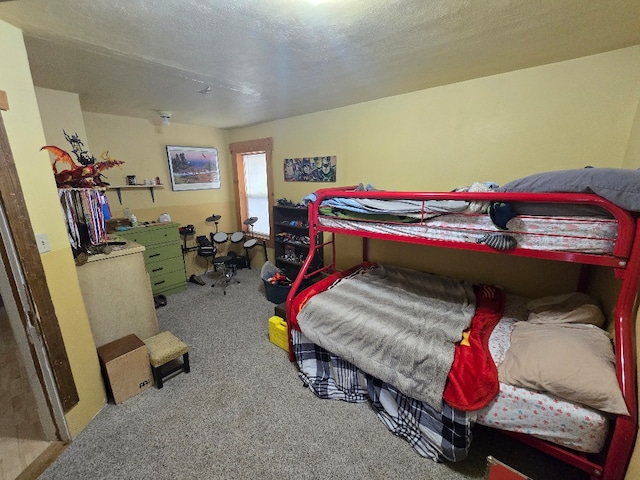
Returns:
<point x="43" y="242"/>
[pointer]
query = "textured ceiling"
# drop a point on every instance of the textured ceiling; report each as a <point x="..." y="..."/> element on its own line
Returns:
<point x="263" y="60"/>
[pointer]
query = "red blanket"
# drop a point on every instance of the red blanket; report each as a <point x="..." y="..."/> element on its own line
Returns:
<point x="473" y="380"/>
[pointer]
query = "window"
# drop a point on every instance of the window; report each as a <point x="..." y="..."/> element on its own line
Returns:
<point x="256" y="191"/>
<point x="252" y="175"/>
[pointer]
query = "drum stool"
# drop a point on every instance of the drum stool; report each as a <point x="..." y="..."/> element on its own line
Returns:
<point x="164" y="350"/>
<point x="227" y="267"/>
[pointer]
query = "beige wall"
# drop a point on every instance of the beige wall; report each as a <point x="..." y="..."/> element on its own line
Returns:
<point x="26" y="136"/>
<point x="563" y="115"/>
<point x="142" y="146"/>
<point x="60" y="112"/>
<point x="632" y="155"/>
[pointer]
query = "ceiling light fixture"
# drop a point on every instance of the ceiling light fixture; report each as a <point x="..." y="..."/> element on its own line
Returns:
<point x="165" y="115"/>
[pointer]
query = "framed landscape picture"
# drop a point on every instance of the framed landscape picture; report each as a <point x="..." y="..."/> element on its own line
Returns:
<point x="193" y="168"/>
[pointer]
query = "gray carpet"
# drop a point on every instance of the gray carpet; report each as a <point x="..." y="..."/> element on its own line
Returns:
<point x="242" y="413"/>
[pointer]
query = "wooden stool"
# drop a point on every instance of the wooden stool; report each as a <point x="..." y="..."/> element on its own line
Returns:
<point x="164" y="348"/>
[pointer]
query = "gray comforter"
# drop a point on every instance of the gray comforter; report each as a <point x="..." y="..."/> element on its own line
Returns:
<point x="396" y="324"/>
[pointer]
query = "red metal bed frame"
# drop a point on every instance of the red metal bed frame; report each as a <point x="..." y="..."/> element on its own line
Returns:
<point x="625" y="261"/>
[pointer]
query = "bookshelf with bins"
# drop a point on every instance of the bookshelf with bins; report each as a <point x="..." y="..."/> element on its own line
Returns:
<point x="291" y="236"/>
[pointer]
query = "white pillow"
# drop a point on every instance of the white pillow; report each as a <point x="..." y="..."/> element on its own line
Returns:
<point x="566" y="308"/>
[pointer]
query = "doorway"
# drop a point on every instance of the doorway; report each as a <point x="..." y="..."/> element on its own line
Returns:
<point x="23" y="435"/>
<point x="29" y="438"/>
<point x="33" y="428"/>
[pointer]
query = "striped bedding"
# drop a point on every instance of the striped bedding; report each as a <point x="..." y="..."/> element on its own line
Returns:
<point x="548" y="233"/>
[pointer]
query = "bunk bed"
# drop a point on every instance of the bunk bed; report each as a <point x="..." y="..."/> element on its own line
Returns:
<point x="588" y="217"/>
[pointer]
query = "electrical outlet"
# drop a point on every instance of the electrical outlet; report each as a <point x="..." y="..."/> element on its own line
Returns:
<point x="43" y="243"/>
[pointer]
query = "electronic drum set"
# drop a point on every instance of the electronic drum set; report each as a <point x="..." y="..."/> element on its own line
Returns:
<point x="208" y="248"/>
<point x="220" y="238"/>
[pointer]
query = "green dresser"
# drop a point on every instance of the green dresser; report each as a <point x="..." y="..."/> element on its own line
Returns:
<point x="162" y="256"/>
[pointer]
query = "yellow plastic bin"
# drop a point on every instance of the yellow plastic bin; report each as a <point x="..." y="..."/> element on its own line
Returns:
<point x="278" y="332"/>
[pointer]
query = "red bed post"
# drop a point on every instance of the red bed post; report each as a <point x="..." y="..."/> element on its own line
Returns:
<point x="624" y="434"/>
<point x="304" y="271"/>
<point x="312" y="217"/>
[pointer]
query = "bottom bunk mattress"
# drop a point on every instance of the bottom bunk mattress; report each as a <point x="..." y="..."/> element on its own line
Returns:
<point x="444" y="434"/>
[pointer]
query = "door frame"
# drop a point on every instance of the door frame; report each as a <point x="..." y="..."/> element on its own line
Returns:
<point x="30" y="292"/>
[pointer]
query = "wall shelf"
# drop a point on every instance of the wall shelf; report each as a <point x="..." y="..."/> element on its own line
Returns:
<point x="119" y="188"/>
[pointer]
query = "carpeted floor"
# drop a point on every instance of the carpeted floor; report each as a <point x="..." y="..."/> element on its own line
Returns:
<point x="242" y="413"/>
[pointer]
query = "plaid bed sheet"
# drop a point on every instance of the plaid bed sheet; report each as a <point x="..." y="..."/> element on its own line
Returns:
<point x="440" y="436"/>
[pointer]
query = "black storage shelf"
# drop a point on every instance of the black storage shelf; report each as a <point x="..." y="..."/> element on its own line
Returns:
<point x="289" y="262"/>
<point x="304" y="228"/>
<point x="290" y="254"/>
<point x="285" y="242"/>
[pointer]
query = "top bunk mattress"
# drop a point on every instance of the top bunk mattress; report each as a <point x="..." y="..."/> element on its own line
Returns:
<point x="561" y="214"/>
<point x="593" y="235"/>
<point x="575" y="227"/>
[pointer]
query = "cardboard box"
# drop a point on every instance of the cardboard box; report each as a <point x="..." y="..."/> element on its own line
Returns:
<point x="125" y="367"/>
<point x="278" y="332"/>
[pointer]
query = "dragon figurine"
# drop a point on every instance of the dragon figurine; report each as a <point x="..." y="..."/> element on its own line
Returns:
<point x="86" y="175"/>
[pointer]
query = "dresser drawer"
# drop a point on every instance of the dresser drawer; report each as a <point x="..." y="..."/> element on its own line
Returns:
<point x="138" y="235"/>
<point x="164" y="266"/>
<point x="161" y="282"/>
<point x="165" y="233"/>
<point x="158" y="253"/>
